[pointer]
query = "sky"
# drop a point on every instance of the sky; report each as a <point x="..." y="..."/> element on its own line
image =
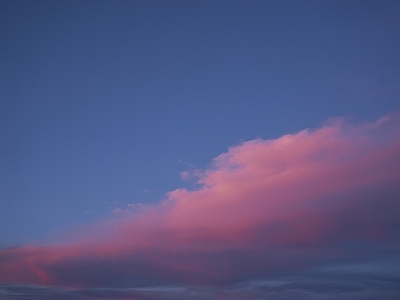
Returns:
<point x="199" y="150"/>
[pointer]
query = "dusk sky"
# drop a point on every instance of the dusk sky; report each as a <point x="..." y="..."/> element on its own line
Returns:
<point x="199" y="150"/>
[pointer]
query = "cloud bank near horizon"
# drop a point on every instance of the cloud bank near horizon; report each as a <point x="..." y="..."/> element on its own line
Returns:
<point x="264" y="208"/>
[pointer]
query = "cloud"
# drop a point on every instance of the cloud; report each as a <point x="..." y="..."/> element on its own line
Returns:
<point x="263" y="208"/>
<point x="347" y="281"/>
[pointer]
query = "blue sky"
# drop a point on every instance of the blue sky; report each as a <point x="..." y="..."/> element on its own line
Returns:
<point x="104" y="103"/>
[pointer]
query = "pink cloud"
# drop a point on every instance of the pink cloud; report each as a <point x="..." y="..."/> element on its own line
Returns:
<point x="263" y="206"/>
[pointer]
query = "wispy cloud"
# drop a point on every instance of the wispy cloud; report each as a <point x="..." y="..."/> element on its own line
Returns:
<point x="263" y="208"/>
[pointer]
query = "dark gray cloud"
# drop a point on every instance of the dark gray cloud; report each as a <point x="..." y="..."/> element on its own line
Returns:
<point x="372" y="280"/>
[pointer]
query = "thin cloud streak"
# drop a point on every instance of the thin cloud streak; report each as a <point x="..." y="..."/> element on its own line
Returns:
<point x="263" y="208"/>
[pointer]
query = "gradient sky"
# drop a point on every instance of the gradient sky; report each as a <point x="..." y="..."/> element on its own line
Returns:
<point x="199" y="149"/>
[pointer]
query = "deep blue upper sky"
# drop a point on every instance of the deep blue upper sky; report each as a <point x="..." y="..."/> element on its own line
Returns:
<point x="103" y="103"/>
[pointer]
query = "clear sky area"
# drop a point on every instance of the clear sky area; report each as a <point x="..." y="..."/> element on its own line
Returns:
<point x="199" y="150"/>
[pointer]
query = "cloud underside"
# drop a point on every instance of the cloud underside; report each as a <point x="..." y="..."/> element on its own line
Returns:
<point x="313" y="286"/>
<point x="263" y="209"/>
